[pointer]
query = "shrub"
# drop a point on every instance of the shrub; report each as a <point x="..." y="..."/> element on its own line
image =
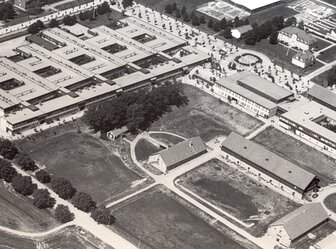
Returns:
<point x="63" y="214"/>
<point x="42" y="199"/>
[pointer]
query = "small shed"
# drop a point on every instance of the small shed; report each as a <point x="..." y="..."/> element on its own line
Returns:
<point x="117" y="133"/>
<point x="240" y="31"/>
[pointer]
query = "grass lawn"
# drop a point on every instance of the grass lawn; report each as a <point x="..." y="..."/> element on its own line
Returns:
<point x="166" y="138"/>
<point x="237" y="194"/>
<point x="164" y="223"/>
<point x="293" y="150"/>
<point x="328" y="55"/>
<point x="144" y="149"/>
<point x="205" y="116"/>
<point x="84" y="159"/>
<point x="321" y="44"/>
<point x="160" y="5"/>
<point x="330" y="202"/>
<point x="67" y="5"/>
<point x="280" y="55"/>
<point x="67" y="238"/>
<point x="268" y="14"/>
<point x="19" y="213"/>
<point x="321" y="79"/>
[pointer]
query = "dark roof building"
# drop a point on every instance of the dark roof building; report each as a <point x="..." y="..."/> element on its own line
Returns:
<point x="323" y="96"/>
<point x="302" y="36"/>
<point x="268" y="163"/>
<point x="302" y="220"/>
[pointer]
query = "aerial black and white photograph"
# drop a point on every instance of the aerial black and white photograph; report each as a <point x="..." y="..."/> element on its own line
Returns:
<point x="168" y="124"/>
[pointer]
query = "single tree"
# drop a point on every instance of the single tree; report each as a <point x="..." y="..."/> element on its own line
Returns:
<point x="195" y="21"/>
<point x="183" y="10"/>
<point x="227" y="33"/>
<point x="127" y="3"/>
<point x="84" y="202"/>
<point x="273" y="39"/>
<point x="210" y="23"/>
<point x="63" y="214"/>
<point x="25" y="161"/>
<point x="53" y="23"/>
<point x="186" y="17"/>
<point x="7" y="172"/>
<point x="202" y="20"/>
<point x="217" y="26"/>
<point x="301" y="25"/>
<point x="178" y="13"/>
<point x="63" y="187"/>
<point x="291" y="21"/>
<point x="250" y="38"/>
<point x="42" y="176"/>
<point x="168" y="9"/>
<point x="223" y="23"/>
<point x="103" y="216"/>
<point x="42" y="199"/>
<point x="7" y="149"/>
<point x="174" y="6"/>
<point x="23" y="185"/>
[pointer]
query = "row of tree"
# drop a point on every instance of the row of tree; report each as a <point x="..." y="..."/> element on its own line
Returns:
<point x="136" y="110"/>
<point x="182" y="13"/>
<point x="6" y="11"/>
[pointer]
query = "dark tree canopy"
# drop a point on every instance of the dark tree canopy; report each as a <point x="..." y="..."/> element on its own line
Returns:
<point x="53" y="23"/>
<point x="7" y="172"/>
<point x="23" y="185"/>
<point x="127" y="3"/>
<point x="69" y="20"/>
<point x="42" y="176"/>
<point x="25" y="161"/>
<point x="169" y="9"/>
<point x="178" y="13"/>
<point x="195" y="21"/>
<point x="42" y="199"/>
<point x="103" y="216"/>
<point x="84" y="202"/>
<point x="273" y="38"/>
<point x="291" y="21"/>
<point x="63" y="214"/>
<point x="331" y="78"/>
<point x="227" y="33"/>
<point x="7" y="149"/>
<point x="210" y="23"/>
<point x="6" y="11"/>
<point x="135" y="110"/>
<point x="63" y="187"/>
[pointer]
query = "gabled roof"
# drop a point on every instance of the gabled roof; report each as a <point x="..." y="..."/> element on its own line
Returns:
<point x="304" y="56"/>
<point x="268" y="160"/>
<point x="323" y="94"/>
<point x="244" y="29"/>
<point x="119" y="131"/>
<point x="302" y="219"/>
<point x="301" y="34"/>
<point x="182" y="151"/>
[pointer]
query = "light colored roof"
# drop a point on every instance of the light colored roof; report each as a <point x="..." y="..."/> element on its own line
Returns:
<point x="243" y="29"/>
<point x="254" y="4"/>
<point x="306" y="114"/>
<point x="323" y="94"/>
<point x="301" y="34"/>
<point x="182" y="151"/>
<point x="302" y="219"/>
<point x="268" y="160"/>
<point x="227" y="83"/>
<point x="304" y="56"/>
<point x="264" y="86"/>
<point x="119" y="131"/>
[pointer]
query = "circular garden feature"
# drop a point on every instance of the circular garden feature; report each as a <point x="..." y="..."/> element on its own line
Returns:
<point x="248" y="59"/>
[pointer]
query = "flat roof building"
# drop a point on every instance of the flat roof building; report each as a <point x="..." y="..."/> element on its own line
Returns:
<point x="323" y="96"/>
<point x="268" y="166"/>
<point x="313" y="122"/>
<point x="255" y="6"/>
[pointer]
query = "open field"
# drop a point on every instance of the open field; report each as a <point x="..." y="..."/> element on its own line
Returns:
<point x="237" y="194"/>
<point x="19" y="213"/>
<point x="144" y="149"/>
<point x="299" y="153"/>
<point x="162" y="222"/>
<point x="84" y="159"/>
<point x="330" y="202"/>
<point x="280" y="55"/>
<point x="166" y="138"/>
<point x="205" y="116"/>
<point x="321" y="44"/>
<point x="268" y="14"/>
<point x="68" y="238"/>
<point x="328" y="55"/>
<point x="160" y="5"/>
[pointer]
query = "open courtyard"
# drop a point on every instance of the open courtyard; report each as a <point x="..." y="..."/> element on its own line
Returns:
<point x="205" y="116"/>
<point x="237" y="194"/>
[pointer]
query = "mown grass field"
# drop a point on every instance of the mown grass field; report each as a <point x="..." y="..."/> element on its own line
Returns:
<point x="144" y="149"/>
<point x="89" y="164"/>
<point x="205" y="116"/>
<point x="19" y="213"/>
<point x="164" y="223"/>
<point x="299" y="153"/>
<point x="237" y="194"/>
<point x="166" y="138"/>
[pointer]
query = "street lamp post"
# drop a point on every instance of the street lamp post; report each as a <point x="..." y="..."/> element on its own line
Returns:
<point x="139" y="242"/>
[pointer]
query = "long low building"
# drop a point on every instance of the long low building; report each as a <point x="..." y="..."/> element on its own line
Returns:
<point x="313" y="122"/>
<point x="323" y="96"/>
<point x="255" y="6"/>
<point x="178" y="154"/>
<point x="80" y="66"/>
<point x="252" y="92"/>
<point x="267" y="167"/>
